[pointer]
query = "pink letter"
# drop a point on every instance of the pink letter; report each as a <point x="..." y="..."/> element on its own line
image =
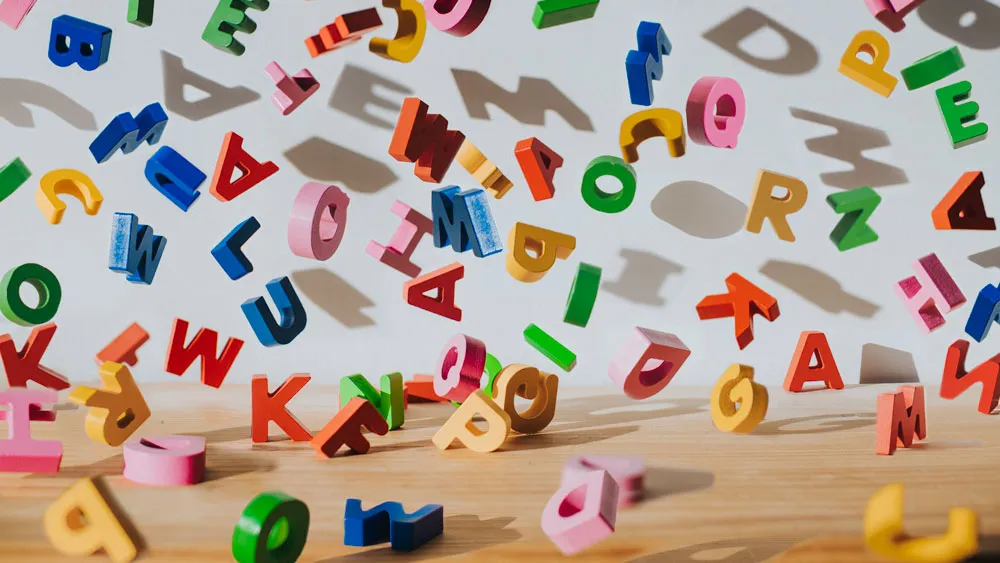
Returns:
<point x="12" y="12"/>
<point x="892" y="12"/>
<point x="582" y="512"/>
<point x="930" y="293"/>
<point x="713" y="94"/>
<point x="460" y="368"/>
<point x="165" y="461"/>
<point x="19" y="453"/>
<point x="404" y="241"/>
<point x="292" y="91"/>
<point x="319" y="217"/>
<point x="461" y="19"/>
<point x="646" y="362"/>
<point x="628" y="471"/>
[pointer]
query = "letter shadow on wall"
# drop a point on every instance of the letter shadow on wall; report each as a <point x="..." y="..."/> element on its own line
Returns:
<point x="335" y="296"/>
<point x="987" y="258"/>
<point x="355" y="91"/>
<point x="699" y="209"/>
<point x="800" y="56"/>
<point x="642" y="277"/>
<point x="882" y="364"/>
<point x="218" y="99"/>
<point x="527" y="104"/>
<point x="848" y="145"/>
<point x="328" y="162"/>
<point x="947" y="16"/>
<point x="16" y="94"/>
<point x="818" y="287"/>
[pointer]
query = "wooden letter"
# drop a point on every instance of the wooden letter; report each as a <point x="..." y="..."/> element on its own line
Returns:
<point x="528" y="383"/>
<point x="812" y="344"/>
<point x="116" y="411"/>
<point x="461" y="426"/>
<point x="736" y="386"/>
<point x="764" y="205"/>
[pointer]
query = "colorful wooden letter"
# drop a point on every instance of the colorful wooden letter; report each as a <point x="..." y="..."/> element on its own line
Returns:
<point x="764" y="205"/>
<point x="262" y="520"/>
<point x="66" y="182"/>
<point x="892" y="12"/>
<point x="458" y="18"/>
<point x="649" y="123"/>
<point x="85" y="519"/>
<point x="870" y="75"/>
<point x="425" y="140"/>
<point x="549" y="13"/>
<point x="229" y="17"/>
<point x="12" y="12"/>
<point x="116" y="411"/>
<point x="538" y="164"/>
<point x="460" y="368"/>
<point x="812" y="344"/>
<point x="985" y="312"/>
<point x="267" y="406"/>
<point x="128" y="133"/>
<point x="229" y="252"/>
<point x="464" y="220"/>
<point x="344" y="429"/>
<point x="411" y="230"/>
<point x="135" y="249"/>
<point x="73" y="40"/>
<point x="233" y="157"/>
<point x="388" y="522"/>
<point x="647" y="361"/>
<point x="582" y="295"/>
<point x="460" y="426"/>
<point x="122" y="350"/>
<point x="582" y="512"/>
<point x="410" y="32"/>
<point x="24" y="365"/>
<point x="174" y="176"/>
<point x="528" y="383"/>
<point x="534" y="250"/>
<point x="444" y="281"/>
<point x="45" y="284"/>
<point x="716" y="110"/>
<point x="549" y="347"/>
<point x="932" y="68"/>
<point x="483" y="170"/>
<point x="19" y="453"/>
<point x="598" y="199"/>
<point x="962" y="207"/>
<point x="293" y="315"/>
<point x="737" y="387"/>
<point x="958" y="117"/>
<point x="165" y="461"/>
<point x="899" y="417"/>
<point x="292" y="90"/>
<point x="346" y="30"/>
<point x="885" y="535"/>
<point x="743" y="301"/>
<point x="628" y="471"/>
<point x="930" y="294"/>
<point x="204" y="344"/>
<point x="857" y="207"/>
<point x="645" y="65"/>
<point x="956" y="380"/>
<point x="13" y="174"/>
<point x="319" y="219"/>
<point x="388" y="400"/>
<point x="140" y="12"/>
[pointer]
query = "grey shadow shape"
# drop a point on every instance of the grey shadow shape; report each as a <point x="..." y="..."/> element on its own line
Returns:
<point x="223" y="435"/>
<point x="989" y="550"/>
<point x="564" y="438"/>
<point x="329" y="162"/>
<point x="463" y="533"/>
<point x="220" y="98"/>
<point x="818" y="287"/>
<point x="642" y="277"/>
<point x="945" y="18"/>
<point x="355" y="91"/>
<point x="882" y="364"/>
<point x="987" y="258"/>
<point x="848" y="145"/>
<point x="122" y="516"/>
<point x="800" y="58"/>
<point x="221" y="464"/>
<point x="699" y="209"/>
<point x="527" y="104"/>
<point x="747" y="550"/>
<point x="663" y="481"/>
<point x="820" y="424"/>
<point x="16" y="94"/>
<point x="112" y="465"/>
<point x="334" y="295"/>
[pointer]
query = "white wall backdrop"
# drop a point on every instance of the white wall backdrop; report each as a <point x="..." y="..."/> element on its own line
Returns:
<point x="677" y="242"/>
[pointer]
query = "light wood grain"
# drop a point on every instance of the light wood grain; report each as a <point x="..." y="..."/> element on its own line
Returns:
<point x="804" y="475"/>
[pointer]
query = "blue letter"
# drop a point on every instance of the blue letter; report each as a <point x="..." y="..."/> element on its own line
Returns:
<point x="73" y="40"/>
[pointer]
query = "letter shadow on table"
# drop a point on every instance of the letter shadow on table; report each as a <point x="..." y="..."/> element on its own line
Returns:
<point x="355" y="91"/>
<point x="699" y="209"/>
<point x="333" y="294"/>
<point x="882" y="364"/>
<point x="665" y="481"/>
<point x="329" y="162"/>
<point x="817" y="424"/>
<point x="219" y="98"/>
<point x="800" y="58"/>
<point x="819" y="288"/>
<point x="848" y="145"/>
<point x="16" y="94"/>
<point x="642" y="277"/>
<point x="527" y="104"/>
<point x="988" y="258"/>
<point x="947" y="19"/>
<point x="463" y="533"/>
<point x="744" y="550"/>
<point x="564" y="437"/>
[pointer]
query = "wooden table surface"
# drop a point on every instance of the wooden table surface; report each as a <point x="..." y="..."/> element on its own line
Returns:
<point x="798" y="484"/>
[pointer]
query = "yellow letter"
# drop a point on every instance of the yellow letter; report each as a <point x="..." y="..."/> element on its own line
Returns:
<point x="82" y="520"/>
<point x="117" y="411"/>
<point x="646" y="124"/>
<point x="545" y="245"/>
<point x="461" y="426"/>
<point x="885" y="536"/>
<point x="66" y="182"/>
<point x="410" y="32"/>
<point x="529" y="383"/>
<point x="737" y="386"/>
<point x="764" y="205"/>
<point x="870" y="75"/>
